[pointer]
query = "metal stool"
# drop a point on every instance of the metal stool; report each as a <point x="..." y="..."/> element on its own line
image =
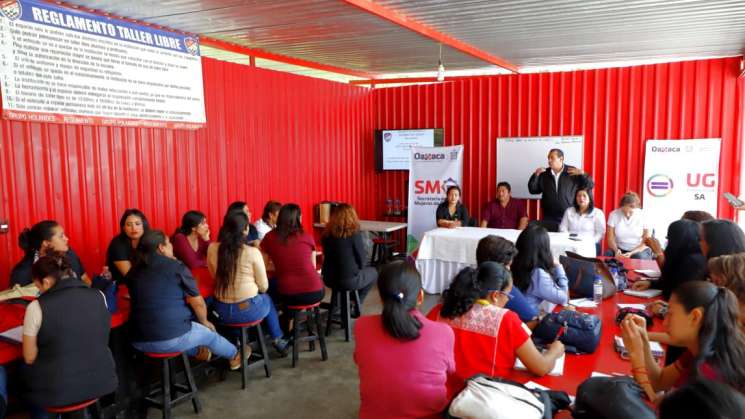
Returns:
<point x="169" y="389"/>
<point x="307" y="314"/>
<point x="262" y="358"/>
<point x="381" y="250"/>
<point x="345" y="310"/>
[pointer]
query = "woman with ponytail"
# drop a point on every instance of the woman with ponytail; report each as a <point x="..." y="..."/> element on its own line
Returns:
<point x="404" y="359"/>
<point x="704" y="319"/>
<point x="489" y="337"/>
<point x="65" y="338"/>
<point x="43" y="238"/>
<point x="191" y="240"/>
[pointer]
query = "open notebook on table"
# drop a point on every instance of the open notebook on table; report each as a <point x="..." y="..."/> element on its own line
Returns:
<point x="14" y="335"/>
<point x="558" y="366"/>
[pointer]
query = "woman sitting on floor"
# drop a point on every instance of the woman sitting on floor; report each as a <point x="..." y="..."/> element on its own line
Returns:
<point x="704" y="319"/>
<point x="404" y="360"/>
<point x="489" y="337"/>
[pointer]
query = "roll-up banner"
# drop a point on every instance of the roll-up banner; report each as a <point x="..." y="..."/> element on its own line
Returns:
<point x="679" y="175"/>
<point x="432" y="171"/>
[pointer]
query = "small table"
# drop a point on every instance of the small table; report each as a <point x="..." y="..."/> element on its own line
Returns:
<point x="382" y="227"/>
<point x="605" y="359"/>
<point x="443" y="252"/>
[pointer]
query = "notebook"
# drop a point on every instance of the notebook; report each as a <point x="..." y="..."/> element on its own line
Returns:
<point x="14" y="335"/>
<point x="649" y="273"/>
<point x="583" y="303"/>
<point x="656" y="348"/>
<point x="557" y="371"/>
<point x="650" y="293"/>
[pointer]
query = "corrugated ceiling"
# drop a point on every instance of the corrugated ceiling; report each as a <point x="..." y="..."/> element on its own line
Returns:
<point x="526" y="33"/>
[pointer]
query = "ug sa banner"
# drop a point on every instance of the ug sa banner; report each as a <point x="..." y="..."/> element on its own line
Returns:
<point x="432" y="171"/>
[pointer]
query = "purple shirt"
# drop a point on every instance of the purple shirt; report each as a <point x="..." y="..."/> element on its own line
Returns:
<point x="186" y="254"/>
<point x="403" y="379"/>
<point x="507" y="217"/>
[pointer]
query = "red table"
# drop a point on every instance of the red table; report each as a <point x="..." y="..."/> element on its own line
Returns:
<point x="11" y="315"/>
<point x="577" y="368"/>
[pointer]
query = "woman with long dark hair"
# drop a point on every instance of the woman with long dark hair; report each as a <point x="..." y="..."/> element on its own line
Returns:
<point x="488" y="337"/>
<point x="345" y="259"/>
<point x="65" y="338"/>
<point x="704" y="319"/>
<point x="121" y="250"/>
<point x="43" y="238"/>
<point x="583" y="219"/>
<point x="683" y="259"/>
<point x="191" y="240"/>
<point x="721" y="237"/>
<point x="252" y="238"/>
<point x="451" y="212"/>
<point x="703" y="399"/>
<point x="165" y="298"/>
<point x="535" y="271"/>
<point x="293" y="253"/>
<point x="240" y="280"/>
<point x="404" y="359"/>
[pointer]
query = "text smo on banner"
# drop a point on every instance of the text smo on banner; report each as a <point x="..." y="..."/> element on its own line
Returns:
<point x="51" y="17"/>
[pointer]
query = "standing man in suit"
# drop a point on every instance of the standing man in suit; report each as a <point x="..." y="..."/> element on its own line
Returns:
<point x="558" y="183"/>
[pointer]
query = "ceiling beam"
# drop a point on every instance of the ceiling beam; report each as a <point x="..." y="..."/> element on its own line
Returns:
<point x="228" y="46"/>
<point x="260" y="53"/>
<point x="429" y="32"/>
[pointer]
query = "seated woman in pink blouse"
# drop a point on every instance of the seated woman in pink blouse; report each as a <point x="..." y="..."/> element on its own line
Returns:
<point x="190" y="241"/>
<point x="404" y="359"/>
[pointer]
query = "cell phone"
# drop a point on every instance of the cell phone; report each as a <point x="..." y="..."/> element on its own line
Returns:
<point x="733" y="200"/>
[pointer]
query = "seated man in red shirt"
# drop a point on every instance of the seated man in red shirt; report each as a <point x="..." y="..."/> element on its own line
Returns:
<point x="505" y="212"/>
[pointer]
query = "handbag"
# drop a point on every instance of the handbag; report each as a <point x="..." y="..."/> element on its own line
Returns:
<point x="487" y="397"/>
<point x="581" y="272"/>
<point x="611" y="398"/>
<point x="108" y="288"/>
<point x="581" y="331"/>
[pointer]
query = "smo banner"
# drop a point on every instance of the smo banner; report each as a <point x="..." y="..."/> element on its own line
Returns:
<point x="679" y="175"/>
<point x="69" y="66"/>
<point x="431" y="172"/>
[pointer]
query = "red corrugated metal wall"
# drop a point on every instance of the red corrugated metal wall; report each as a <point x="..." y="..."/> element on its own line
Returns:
<point x="269" y="135"/>
<point x="616" y="110"/>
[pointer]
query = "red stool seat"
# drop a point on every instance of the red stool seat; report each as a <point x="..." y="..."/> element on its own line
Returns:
<point x="380" y="240"/>
<point x="72" y="407"/>
<point x="162" y="355"/>
<point x="300" y="308"/>
<point x="239" y="325"/>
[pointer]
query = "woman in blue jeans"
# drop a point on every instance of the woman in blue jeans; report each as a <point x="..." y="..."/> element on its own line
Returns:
<point x="240" y="280"/>
<point x="164" y="294"/>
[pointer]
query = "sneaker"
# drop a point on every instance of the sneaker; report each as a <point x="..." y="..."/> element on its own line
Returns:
<point x="281" y="346"/>
<point x="203" y="354"/>
<point x="236" y="362"/>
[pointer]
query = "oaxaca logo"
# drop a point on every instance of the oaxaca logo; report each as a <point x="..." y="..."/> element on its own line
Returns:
<point x="659" y="185"/>
<point x="429" y="156"/>
<point x="11" y="9"/>
<point x="387" y="137"/>
<point x="192" y="45"/>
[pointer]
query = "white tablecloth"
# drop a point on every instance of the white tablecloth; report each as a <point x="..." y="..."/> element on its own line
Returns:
<point x="443" y="252"/>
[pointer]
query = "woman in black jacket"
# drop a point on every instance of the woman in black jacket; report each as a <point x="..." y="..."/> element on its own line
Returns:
<point x="345" y="259"/>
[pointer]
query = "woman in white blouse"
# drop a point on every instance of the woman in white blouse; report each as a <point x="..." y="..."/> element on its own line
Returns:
<point x="583" y="219"/>
<point x="628" y="227"/>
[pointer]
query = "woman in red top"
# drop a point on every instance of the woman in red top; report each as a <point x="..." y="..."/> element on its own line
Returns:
<point x="702" y="318"/>
<point x="489" y="337"/>
<point x="293" y="253"/>
<point x="404" y="360"/>
<point x="191" y="240"/>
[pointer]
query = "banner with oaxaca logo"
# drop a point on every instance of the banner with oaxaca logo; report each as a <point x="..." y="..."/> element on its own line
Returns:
<point x="432" y="170"/>
<point x="679" y="176"/>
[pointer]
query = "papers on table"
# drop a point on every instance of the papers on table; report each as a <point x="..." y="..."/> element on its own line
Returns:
<point x="583" y="303"/>
<point x="650" y="293"/>
<point x="634" y="306"/>
<point x="14" y="335"/>
<point x="655" y="347"/>
<point x="649" y="273"/>
<point x="558" y="366"/>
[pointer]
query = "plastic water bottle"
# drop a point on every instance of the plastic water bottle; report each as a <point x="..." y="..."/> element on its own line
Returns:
<point x="597" y="289"/>
<point x="389" y="206"/>
<point x="614" y="274"/>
